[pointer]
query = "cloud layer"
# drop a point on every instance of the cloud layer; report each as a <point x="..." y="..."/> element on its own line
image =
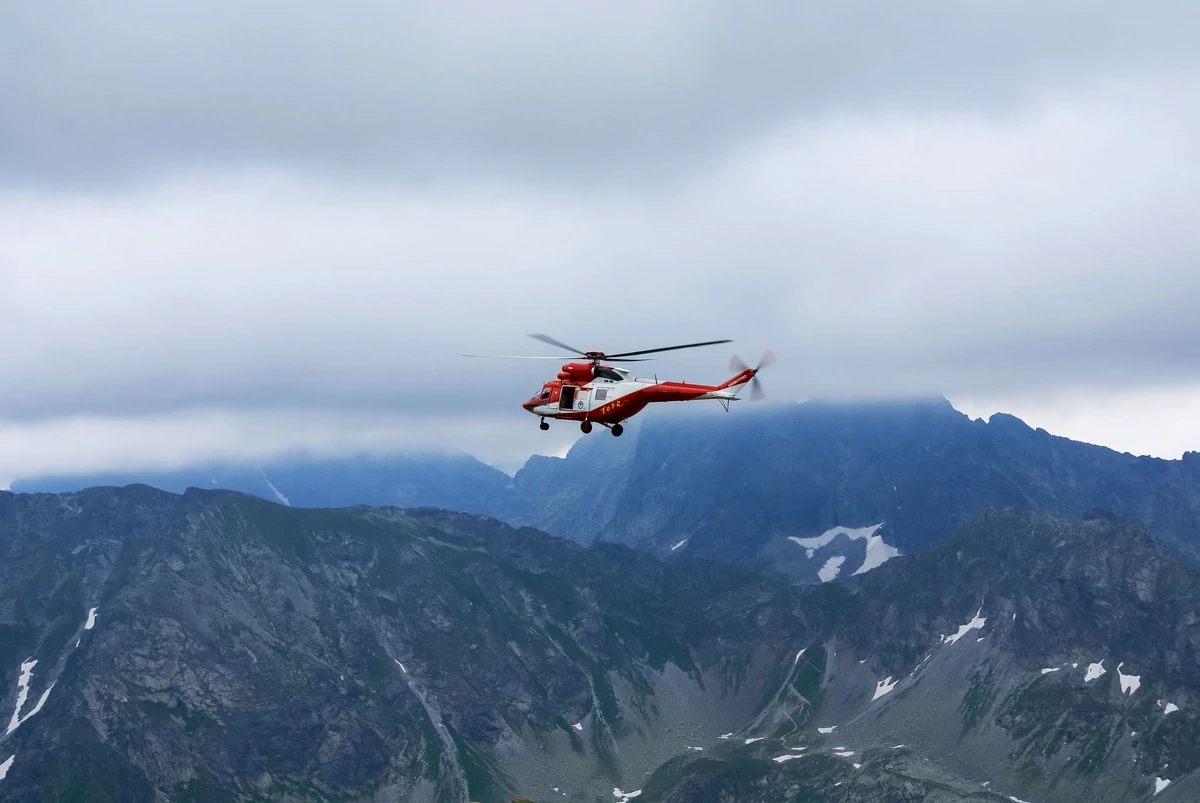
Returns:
<point x="211" y="221"/>
<point x="563" y="91"/>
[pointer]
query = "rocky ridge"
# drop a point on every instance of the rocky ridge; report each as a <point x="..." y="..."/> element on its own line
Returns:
<point x="214" y="646"/>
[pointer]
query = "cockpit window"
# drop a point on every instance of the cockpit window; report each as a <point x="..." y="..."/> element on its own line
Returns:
<point x="545" y="393"/>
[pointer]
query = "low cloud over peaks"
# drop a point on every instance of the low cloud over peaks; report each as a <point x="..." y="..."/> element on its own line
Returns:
<point x="307" y="215"/>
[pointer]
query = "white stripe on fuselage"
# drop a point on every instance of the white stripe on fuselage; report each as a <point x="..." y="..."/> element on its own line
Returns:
<point x="587" y="393"/>
<point x="618" y="390"/>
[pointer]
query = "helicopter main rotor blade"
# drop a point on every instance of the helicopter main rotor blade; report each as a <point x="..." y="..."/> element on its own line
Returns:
<point x="552" y="342"/>
<point x="668" y="348"/>
<point x="512" y="357"/>
<point x="556" y="359"/>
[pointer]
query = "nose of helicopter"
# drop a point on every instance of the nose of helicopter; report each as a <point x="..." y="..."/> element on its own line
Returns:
<point x="529" y="405"/>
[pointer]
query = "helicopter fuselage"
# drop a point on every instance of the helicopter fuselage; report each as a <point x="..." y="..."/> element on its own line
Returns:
<point x="607" y="395"/>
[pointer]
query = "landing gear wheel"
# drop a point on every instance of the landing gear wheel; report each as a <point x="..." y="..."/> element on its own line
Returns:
<point x="544" y="425"/>
<point x="617" y="429"/>
<point x="586" y="426"/>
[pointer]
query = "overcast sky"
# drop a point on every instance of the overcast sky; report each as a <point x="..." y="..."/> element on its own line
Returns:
<point x="236" y="230"/>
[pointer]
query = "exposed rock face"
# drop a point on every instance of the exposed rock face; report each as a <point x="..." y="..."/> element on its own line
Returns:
<point x="757" y="775"/>
<point x="993" y="636"/>
<point x="738" y="486"/>
<point x="1046" y="657"/>
<point x="241" y="650"/>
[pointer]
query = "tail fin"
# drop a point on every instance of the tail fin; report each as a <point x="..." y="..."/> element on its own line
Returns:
<point x="747" y="375"/>
<point x="738" y="380"/>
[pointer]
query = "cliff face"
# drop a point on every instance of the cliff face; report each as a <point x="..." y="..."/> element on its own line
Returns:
<point x="240" y="649"/>
<point x="737" y="487"/>
<point x="214" y="646"/>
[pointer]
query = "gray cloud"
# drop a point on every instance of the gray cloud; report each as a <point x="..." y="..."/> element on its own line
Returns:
<point x="878" y="254"/>
<point x="243" y="231"/>
<point x="560" y="92"/>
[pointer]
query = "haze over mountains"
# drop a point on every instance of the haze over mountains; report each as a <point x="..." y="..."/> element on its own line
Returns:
<point x="753" y="487"/>
<point x="459" y="483"/>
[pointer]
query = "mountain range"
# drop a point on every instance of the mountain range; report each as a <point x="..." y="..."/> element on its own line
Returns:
<point x="451" y="482"/>
<point x="852" y="603"/>
<point x="742" y="487"/>
<point x="754" y="487"/>
<point x="216" y="646"/>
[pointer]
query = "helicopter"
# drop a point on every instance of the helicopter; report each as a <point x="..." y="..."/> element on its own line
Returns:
<point x="593" y="392"/>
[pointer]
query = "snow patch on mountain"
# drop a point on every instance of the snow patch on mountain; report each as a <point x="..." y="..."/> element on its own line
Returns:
<point x="878" y="550"/>
<point x="23" y="681"/>
<point x="976" y="623"/>
<point x="1094" y="671"/>
<point x="831" y="568"/>
<point x="884" y="687"/>
<point x="22" y="692"/>
<point x="1129" y="683"/>
<point x="278" y="494"/>
<point x="6" y="765"/>
<point x="91" y="620"/>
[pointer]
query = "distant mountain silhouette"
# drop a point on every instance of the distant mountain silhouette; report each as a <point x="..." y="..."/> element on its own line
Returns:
<point x="451" y="482"/>
<point x="746" y="487"/>
<point x="738" y="487"/>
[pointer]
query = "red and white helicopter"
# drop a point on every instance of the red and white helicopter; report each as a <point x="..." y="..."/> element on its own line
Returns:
<point x="593" y="393"/>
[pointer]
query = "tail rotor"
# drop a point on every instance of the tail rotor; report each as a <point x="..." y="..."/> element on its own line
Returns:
<point x="767" y="359"/>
